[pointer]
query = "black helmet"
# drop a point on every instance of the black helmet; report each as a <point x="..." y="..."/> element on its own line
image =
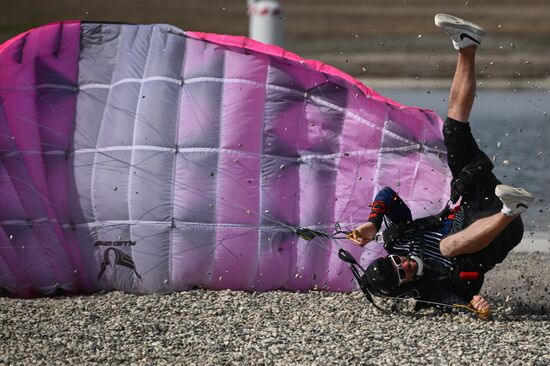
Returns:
<point x="381" y="276"/>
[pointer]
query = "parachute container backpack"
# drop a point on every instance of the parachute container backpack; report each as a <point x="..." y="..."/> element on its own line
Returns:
<point x="148" y="159"/>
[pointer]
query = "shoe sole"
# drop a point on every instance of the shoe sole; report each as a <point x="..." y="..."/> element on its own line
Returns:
<point x="449" y="21"/>
<point x="506" y="192"/>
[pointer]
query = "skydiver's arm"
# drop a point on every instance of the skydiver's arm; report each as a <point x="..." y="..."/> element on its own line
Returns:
<point x="481" y="304"/>
<point x="478" y="302"/>
<point x="387" y="203"/>
<point x="364" y="234"/>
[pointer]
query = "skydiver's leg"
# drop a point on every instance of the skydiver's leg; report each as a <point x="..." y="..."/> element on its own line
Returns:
<point x="489" y="233"/>
<point x="462" y="149"/>
<point x="475" y="237"/>
<point x="489" y="239"/>
<point x="466" y="37"/>
<point x="483" y="231"/>
<point x="463" y="87"/>
<point x="461" y="146"/>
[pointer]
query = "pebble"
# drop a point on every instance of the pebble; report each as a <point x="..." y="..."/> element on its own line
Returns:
<point x="277" y="328"/>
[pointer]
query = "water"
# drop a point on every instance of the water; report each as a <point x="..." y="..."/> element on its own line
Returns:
<point x="513" y="127"/>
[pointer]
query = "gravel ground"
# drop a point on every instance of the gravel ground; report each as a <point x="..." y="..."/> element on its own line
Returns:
<point x="281" y="328"/>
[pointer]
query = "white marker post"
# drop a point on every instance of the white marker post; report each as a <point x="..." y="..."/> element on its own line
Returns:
<point x="266" y="21"/>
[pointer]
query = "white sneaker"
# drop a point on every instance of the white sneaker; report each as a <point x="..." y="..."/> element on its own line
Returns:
<point x="514" y="200"/>
<point x="462" y="32"/>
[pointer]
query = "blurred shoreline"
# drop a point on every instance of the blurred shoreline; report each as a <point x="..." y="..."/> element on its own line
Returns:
<point x="383" y="42"/>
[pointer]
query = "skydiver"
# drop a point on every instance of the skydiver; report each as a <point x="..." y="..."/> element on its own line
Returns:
<point x="428" y="258"/>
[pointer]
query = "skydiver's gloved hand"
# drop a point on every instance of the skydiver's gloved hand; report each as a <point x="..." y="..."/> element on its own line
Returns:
<point x="363" y="234"/>
<point x="481" y="305"/>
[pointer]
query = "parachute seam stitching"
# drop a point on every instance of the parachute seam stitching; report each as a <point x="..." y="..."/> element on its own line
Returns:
<point x="260" y="180"/>
<point x="361" y="119"/>
<point x="295" y="252"/>
<point x="333" y="243"/>
<point x="376" y="185"/>
<point x="151" y="222"/>
<point x="208" y="149"/>
<point x="175" y="165"/>
<point x="92" y="176"/>
<point x="220" y="109"/>
<point x="136" y="121"/>
<point x="44" y="199"/>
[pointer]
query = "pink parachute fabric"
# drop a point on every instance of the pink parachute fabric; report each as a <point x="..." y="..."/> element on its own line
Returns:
<point x="148" y="159"/>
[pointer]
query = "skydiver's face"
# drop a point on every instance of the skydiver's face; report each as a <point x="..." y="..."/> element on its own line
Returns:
<point x="406" y="268"/>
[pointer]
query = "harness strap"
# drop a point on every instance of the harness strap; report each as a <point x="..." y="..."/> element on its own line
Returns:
<point x="472" y="173"/>
<point x="396" y="231"/>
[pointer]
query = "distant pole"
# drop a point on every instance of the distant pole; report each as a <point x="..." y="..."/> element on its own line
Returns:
<point x="266" y="21"/>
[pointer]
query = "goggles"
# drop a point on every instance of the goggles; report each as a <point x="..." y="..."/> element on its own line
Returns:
<point x="397" y="262"/>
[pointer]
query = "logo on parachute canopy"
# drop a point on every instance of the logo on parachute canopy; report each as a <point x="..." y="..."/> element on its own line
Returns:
<point x="111" y="243"/>
<point x="119" y="258"/>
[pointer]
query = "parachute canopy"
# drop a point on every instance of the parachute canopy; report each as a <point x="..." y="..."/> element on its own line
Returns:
<point x="148" y="159"/>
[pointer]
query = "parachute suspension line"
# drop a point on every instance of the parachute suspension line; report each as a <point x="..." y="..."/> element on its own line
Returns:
<point x="194" y="105"/>
<point x="303" y="232"/>
<point x="217" y="200"/>
<point x="158" y="176"/>
<point x="323" y="102"/>
<point x="310" y="234"/>
<point x="337" y="234"/>
<point x="359" y="161"/>
<point x="202" y="113"/>
<point x="220" y="243"/>
<point x="273" y="200"/>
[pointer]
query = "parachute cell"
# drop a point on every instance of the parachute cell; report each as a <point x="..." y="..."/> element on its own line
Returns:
<point x="148" y="159"/>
